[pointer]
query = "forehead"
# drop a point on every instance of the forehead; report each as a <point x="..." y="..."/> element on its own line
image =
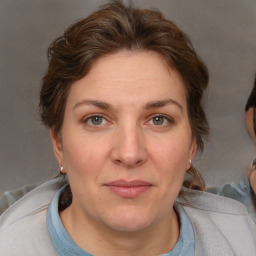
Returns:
<point x="130" y="76"/>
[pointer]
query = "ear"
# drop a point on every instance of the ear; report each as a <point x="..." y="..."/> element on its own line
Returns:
<point x="57" y="146"/>
<point x="193" y="149"/>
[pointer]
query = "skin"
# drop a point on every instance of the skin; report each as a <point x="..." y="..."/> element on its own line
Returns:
<point x="249" y="127"/>
<point x="126" y="91"/>
<point x="249" y="123"/>
<point x="253" y="180"/>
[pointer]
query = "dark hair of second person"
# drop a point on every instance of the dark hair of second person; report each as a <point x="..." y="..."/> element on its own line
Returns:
<point x="250" y="113"/>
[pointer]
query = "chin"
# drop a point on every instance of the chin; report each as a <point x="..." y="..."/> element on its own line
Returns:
<point x="129" y="221"/>
<point x="129" y="226"/>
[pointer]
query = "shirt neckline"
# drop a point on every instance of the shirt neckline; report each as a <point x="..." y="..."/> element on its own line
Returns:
<point x="65" y="246"/>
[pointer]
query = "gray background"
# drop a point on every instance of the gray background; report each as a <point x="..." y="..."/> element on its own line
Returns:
<point x="223" y="33"/>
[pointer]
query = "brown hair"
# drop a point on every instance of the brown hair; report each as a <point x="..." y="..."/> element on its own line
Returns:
<point x="110" y="29"/>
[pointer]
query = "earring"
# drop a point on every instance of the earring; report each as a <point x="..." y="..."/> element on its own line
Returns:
<point x="61" y="168"/>
<point x="190" y="161"/>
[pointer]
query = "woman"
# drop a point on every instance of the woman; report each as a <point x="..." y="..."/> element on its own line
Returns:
<point x="250" y="121"/>
<point x="250" y="113"/>
<point x="122" y="98"/>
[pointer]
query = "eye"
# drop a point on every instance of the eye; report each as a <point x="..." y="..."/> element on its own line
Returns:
<point x="160" y="120"/>
<point x="96" y="120"/>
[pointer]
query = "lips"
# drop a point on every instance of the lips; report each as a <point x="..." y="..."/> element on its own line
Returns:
<point x="128" y="189"/>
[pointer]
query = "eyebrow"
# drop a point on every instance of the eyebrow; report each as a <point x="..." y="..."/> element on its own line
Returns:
<point x="96" y="103"/>
<point x="148" y="106"/>
<point x="162" y="103"/>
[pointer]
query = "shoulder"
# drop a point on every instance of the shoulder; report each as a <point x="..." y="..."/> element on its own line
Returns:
<point x="240" y="191"/>
<point x="211" y="202"/>
<point x="27" y="236"/>
<point x="10" y="197"/>
<point x="219" y="223"/>
<point x="236" y="190"/>
<point x="34" y="201"/>
<point x="23" y="225"/>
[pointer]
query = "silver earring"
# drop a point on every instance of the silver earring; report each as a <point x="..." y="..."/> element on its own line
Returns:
<point x="190" y="162"/>
<point x="61" y="168"/>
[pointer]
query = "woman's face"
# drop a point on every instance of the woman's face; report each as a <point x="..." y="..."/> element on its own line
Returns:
<point x="126" y="141"/>
<point x="249" y="123"/>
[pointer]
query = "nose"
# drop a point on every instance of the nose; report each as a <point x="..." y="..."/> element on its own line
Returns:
<point x="129" y="147"/>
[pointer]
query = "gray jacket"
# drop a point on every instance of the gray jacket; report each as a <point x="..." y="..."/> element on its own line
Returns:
<point x="221" y="226"/>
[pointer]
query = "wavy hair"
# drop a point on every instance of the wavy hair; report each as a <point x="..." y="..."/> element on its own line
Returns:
<point x="114" y="27"/>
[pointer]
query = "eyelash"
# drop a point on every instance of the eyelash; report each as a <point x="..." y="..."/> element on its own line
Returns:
<point x="88" y="120"/>
<point x="167" y="120"/>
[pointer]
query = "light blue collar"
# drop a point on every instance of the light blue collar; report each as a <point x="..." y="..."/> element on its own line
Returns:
<point x="65" y="246"/>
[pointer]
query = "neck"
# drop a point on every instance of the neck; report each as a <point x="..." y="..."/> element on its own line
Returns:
<point x="98" y="239"/>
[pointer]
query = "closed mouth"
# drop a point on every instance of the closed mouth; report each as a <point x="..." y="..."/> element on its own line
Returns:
<point x="128" y="189"/>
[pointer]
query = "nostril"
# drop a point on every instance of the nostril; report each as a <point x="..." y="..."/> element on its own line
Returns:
<point x="128" y="160"/>
<point x="129" y="149"/>
<point x="139" y="162"/>
<point x="117" y="161"/>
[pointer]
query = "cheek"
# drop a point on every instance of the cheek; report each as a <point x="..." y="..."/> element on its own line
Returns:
<point x="171" y="152"/>
<point x="249" y="122"/>
<point x="83" y="162"/>
<point x="81" y="155"/>
<point x="171" y="160"/>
